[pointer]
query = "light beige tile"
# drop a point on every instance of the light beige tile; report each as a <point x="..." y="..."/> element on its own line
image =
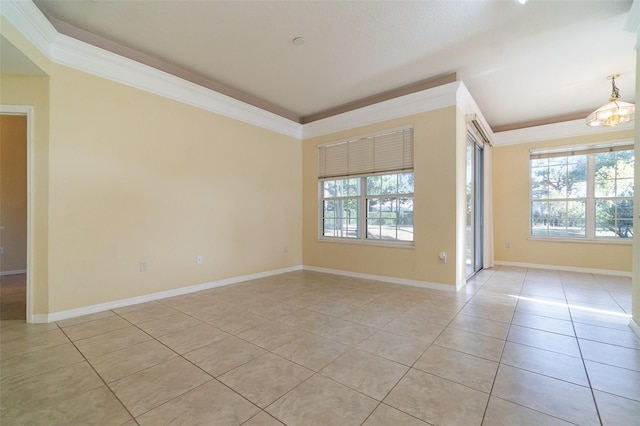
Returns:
<point x="192" y="338"/>
<point x="11" y="329"/>
<point x="32" y="342"/>
<point x="34" y="363"/>
<point x="169" y="324"/>
<point x="371" y="316"/>
<point x="144" y="312"/>
<point x="270" y="335"/>
<point x="494" y="313"/>
<point x="476" y="373"/>
<point x="539" y="322"/>
<point x="615" y="410"/>
<point x="85" y="318"/>
<point x="265" y="379"/>
<point x="127" y="361"/>
<point x="147" y="389"/>
<point x="311" y="351"/>
<point x="614" y="380"/>
<point x="414" y="328"/>
<point x="618" y="356"/>
<point x="111" y="341"/>
<point x="544" y="340"/>
<point x="471" y="343"/>
<point x="545" y="362"/>
<point x="332" y="308"/>
<point x="305" y="319"/>
<point x="224" y="355"/>
<point x="274" y="311"/>
<point x="385" y="415"/>
<point x="95" y="327"/>
<point x="262" y="419"/>
<point x="478" y="325"/>
<point x="626" y="338"/>
<point x="505" y="413"/>
<point x="95" y="407"/>
<point x="436" y="400"/>
<point x="209" y="404"/>
<point x="237" y="322"/>
<point x="24" y="395"/>
<point x="321" y="401"/>
<point x="431" y="316"/>
<point x="404" y="350"/>
<point x="367" y="373"/>
<point x="347" y="332"/>
<point x="546" y="307"/>
<point x="554" y="397"/>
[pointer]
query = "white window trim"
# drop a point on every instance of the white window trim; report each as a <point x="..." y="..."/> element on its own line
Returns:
<point x="362" y="220"/>
<point x="590" y="200"/>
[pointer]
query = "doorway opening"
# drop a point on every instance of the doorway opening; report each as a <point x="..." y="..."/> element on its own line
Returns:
<point x="15" y="212"/>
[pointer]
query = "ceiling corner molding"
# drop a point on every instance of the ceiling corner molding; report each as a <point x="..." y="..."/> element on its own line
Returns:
<point x="67" y="51"/>
<point x="414" y="103"/>
<point x="468" y="106"/>
<point x="565" y="129"/>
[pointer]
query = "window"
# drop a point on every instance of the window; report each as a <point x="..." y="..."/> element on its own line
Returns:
<point x="584" y="192"/>
<point x="366" y="188"/>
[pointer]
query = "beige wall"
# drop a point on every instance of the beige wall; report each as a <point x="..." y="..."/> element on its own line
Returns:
<point x="511" y="214"/>
<point x="138" y="177"/>
<point x="435" y="221"/>
<point x="13" y="192"/>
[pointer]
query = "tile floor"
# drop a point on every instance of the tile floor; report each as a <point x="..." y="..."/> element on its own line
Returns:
<point x="515" y="347"/>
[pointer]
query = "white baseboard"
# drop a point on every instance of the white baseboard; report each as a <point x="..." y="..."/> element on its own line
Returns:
<point x="92" y="309"/>
<point x="565" y="268"/>
<point x="392" y="280"/>
<point x="14" y="272"/>
<point x="635" y="327"/>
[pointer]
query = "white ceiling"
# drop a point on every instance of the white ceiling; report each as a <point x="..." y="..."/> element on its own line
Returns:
<point x="521" y="63"/>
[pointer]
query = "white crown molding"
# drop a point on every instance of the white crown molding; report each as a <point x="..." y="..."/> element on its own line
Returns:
<point x="414" y="103"/>
<point x="67" y="51"/>
<point x="561" y="130"/>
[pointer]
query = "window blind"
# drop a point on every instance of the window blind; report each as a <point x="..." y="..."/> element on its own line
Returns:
<point x="390" y="151"/>
<point x="580" y="150"/>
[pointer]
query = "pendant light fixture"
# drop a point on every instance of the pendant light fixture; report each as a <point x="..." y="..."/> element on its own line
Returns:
<point x="613" y="113"/>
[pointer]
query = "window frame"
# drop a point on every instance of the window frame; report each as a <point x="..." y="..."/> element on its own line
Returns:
<point x="590" y="198"/>
<point x="363" y="217"/>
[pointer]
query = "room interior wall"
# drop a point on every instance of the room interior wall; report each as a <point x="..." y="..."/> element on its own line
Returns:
<point x="435" y="198"/>
<point x="135" y="177"/>
<point x="13" y="193"/>
<point x="511" y="214"/>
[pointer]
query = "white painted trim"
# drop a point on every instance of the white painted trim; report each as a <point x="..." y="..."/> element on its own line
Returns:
<point x="565" y="268"/>
<point x="561" y="130"/>
<point x="635" y="327"/>
<point x="85" y="310"/>
<point x="392" y="280"/>
<point x="27" y="111"/>
<point x="82" y="56"/>
<point x="413" y="103"/>
<point x="14" y="272"/>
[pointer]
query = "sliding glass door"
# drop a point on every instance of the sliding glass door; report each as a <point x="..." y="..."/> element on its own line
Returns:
<point x="474" y="183"/>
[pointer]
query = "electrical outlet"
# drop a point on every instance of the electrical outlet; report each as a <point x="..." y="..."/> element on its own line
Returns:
<point x="143" y="266"/>
<point x="286" y="249"/>
<point x="1" y="250"/>
<point x="507" y="244"/>
<point x="198" y="260"/>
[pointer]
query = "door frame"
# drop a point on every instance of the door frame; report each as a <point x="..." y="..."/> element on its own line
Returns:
<point x="26" y="110"/>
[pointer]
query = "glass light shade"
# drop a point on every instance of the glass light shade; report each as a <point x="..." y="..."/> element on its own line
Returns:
<point x="614" y="113"/>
